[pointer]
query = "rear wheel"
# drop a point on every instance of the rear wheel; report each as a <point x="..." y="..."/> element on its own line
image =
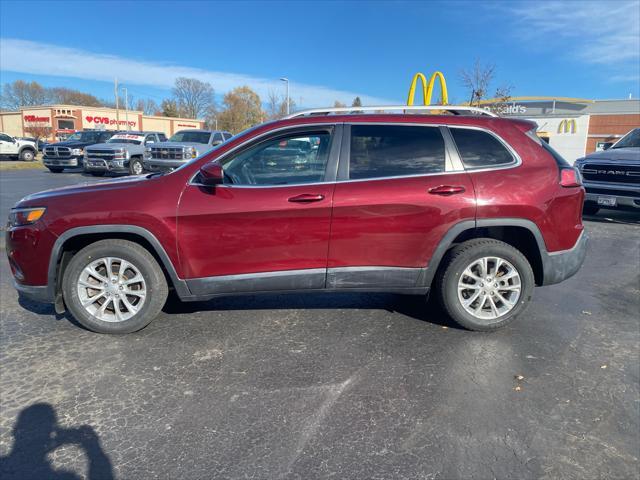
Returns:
<point x="114" y="286"/>
<point x="55" y="169"/>
<point x="590" y="208"/>
<point x="485" y="284"/>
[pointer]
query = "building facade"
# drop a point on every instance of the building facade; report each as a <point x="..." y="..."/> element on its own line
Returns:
<point x="60" y="120"/>
<point x="572" y="126"/>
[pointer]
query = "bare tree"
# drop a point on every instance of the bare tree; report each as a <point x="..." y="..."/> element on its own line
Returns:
<point x="477" y="80"/>
<point x="338" y="104"/>
<point x="68" y="96"/>
<point x="192" y="96"/>
<point x="169" y="108"/>
<point x="148" y="106"/>
<point x="23" y="94"/>
<point x="277" y="106"/>
<point x="38" y="130"/>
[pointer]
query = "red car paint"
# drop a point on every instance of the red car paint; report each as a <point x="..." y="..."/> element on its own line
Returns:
<point x="395" y="222"/>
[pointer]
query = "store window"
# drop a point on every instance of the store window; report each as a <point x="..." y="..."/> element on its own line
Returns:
<point x="66" y="125"/>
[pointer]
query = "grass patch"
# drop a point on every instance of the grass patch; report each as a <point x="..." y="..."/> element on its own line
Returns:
<point x="18" y="165"/>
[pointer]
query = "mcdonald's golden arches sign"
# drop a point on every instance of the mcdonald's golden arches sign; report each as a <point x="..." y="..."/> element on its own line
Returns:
<point x="567" y="125"/>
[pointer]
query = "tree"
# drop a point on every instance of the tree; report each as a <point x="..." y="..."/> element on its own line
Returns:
<point x="148" y="106"/>
<point x="192" y="96"/>
<point x="338" y="104"/>
<point x="356" y="102"/>
<point x="242" y="109"/>
<point x="277" y="106"/>
<point x="169" y="108"/>
<point x="478" y="81"/>
<point x="67" y="96"/>
<point x="38" y="130"/>
<point x="23" y="94"/>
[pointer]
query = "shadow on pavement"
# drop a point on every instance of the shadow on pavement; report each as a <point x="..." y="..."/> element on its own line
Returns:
<point x="36" y="434"/>
<point x="626" y="217"/>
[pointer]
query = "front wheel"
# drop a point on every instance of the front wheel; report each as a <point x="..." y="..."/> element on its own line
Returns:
<point x="136" y="167"/>
<point x="114" y="286"/>
<point x="27" y="155"/>
<point x="485" y="284"/>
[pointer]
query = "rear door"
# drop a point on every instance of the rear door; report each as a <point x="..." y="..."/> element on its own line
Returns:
<point x="398" y="194"/>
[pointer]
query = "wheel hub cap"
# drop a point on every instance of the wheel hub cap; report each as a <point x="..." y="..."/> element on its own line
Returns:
<point x="489" y="288"/>
<point x="111" y="289"/>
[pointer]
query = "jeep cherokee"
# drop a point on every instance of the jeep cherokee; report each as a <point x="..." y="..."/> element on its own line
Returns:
<point x="470" y="205"/>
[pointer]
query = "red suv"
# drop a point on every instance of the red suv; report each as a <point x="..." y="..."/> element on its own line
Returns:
<point x="469" y="204"/>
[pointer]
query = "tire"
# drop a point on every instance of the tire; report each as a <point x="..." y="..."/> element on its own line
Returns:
<point x="141" y="264"/>
<point x="97" y="174"/>
<point x="590" y="208"/>
<point x="136" y="167"/>
<point x="27" y="155"/>
<point x="455" y="266"/>
<point x="55" y="169"/>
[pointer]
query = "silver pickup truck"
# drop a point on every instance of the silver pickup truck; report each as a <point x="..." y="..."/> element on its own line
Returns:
<point x="122" y="153"/>
<point x="182" y="147"/>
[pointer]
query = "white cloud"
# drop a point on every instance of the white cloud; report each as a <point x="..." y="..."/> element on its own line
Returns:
<point x="596" y="32"/>
<point x="45" y="59"/>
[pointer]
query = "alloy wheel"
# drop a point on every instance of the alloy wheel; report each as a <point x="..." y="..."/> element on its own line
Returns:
<point x="489" y="288"/>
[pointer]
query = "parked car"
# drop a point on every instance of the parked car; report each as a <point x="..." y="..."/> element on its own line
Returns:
<point x="70" y="153"/>
<point x="471" y="206"/>
<point x="122" y="153"/>
<point x="182" y="147"/>
<point x="20" y="149"/>
<point x="612" y="176"/>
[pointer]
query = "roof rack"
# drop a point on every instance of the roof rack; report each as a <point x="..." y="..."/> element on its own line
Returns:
<point x="455" y="109"/>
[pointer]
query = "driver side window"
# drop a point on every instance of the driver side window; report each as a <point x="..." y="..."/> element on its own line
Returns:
<point x="285" y="160"/>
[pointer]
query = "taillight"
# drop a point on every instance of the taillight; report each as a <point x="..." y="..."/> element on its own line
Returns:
<point x="570" y="177"/>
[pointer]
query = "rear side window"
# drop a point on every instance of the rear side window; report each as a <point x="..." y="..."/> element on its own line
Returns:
<point x="395" y="150"/>
<point x="480" y="149"/>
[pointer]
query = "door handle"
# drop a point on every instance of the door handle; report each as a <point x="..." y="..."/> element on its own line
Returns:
<point x="307" y="198"/>
<point x="446" y="190"/>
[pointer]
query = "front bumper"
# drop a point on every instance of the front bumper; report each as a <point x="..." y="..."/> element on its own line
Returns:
<point x="62" y="162"/>
<point x="627" y="196"/>
<point x="95" y="165"/>
<point x="157" y="165"/>
<point x="558" y="266"/>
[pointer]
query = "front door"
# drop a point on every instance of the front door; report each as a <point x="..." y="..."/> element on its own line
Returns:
<point x="267" y="227"/>
<point x="399" y="196"/>
<point x="6" y="145"/>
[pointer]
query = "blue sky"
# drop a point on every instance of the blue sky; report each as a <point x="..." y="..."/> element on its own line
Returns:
<point x="329" y="50"/>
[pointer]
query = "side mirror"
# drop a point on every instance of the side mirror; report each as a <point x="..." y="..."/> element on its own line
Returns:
<point x="215" y="143"/>
<point x="211" y="174"/>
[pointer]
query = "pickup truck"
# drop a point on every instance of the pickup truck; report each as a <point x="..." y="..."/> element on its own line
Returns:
<point x="70" y="153"/>
<point x="182" y="147"/>
<point x="21" y="149"/>
<point x="612" y="177"/>
<point x="122" y="153"/>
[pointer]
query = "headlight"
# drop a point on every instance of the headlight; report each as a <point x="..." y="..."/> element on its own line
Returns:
<point x="77" y="151"/>
<point x="25" y="216"/>
<point x="190" y="152"/>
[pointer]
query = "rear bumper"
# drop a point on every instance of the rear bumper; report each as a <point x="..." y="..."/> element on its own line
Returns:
<point x="34" y="293"/>
<point x="558" y="266"/>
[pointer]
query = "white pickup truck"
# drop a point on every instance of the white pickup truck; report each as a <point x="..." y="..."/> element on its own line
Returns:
<point x="24" y="150"/>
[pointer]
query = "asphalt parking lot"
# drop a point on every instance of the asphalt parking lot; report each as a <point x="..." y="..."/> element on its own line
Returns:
<point x="359" y="386"/>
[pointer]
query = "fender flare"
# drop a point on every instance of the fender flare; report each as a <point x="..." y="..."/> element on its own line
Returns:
<point x="445" y="244"/>
<point x="179" y="284"/>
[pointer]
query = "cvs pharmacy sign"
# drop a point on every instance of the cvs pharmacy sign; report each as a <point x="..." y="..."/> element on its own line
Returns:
<point x="108" y="121"/>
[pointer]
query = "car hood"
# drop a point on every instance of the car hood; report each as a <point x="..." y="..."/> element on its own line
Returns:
<point x="22" y="143"/>
<point x="73" y="144"/>
<point x="179" y="144"/>
<point x="41" y="198"/>
<point x="113" y="146"/>
<point x="622" y="155"/>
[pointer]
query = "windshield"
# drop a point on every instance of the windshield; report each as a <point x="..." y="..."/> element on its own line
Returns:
<point x="631" y="139"/>
<point x="83" y="137"/>
<point x="126" y="138"/>
<point x="190" y="137"/>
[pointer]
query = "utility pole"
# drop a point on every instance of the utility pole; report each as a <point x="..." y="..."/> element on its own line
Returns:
<point x="126" y="106"/>
<point x="115" y="91"/>
<point x="286" y="80"/>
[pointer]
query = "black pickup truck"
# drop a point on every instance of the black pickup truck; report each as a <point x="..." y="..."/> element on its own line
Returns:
<point x="70" y="153"/>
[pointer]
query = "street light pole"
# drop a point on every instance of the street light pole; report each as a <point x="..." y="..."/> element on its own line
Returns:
<point x="286" y="80"/>
<point x="126" y="107"/>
